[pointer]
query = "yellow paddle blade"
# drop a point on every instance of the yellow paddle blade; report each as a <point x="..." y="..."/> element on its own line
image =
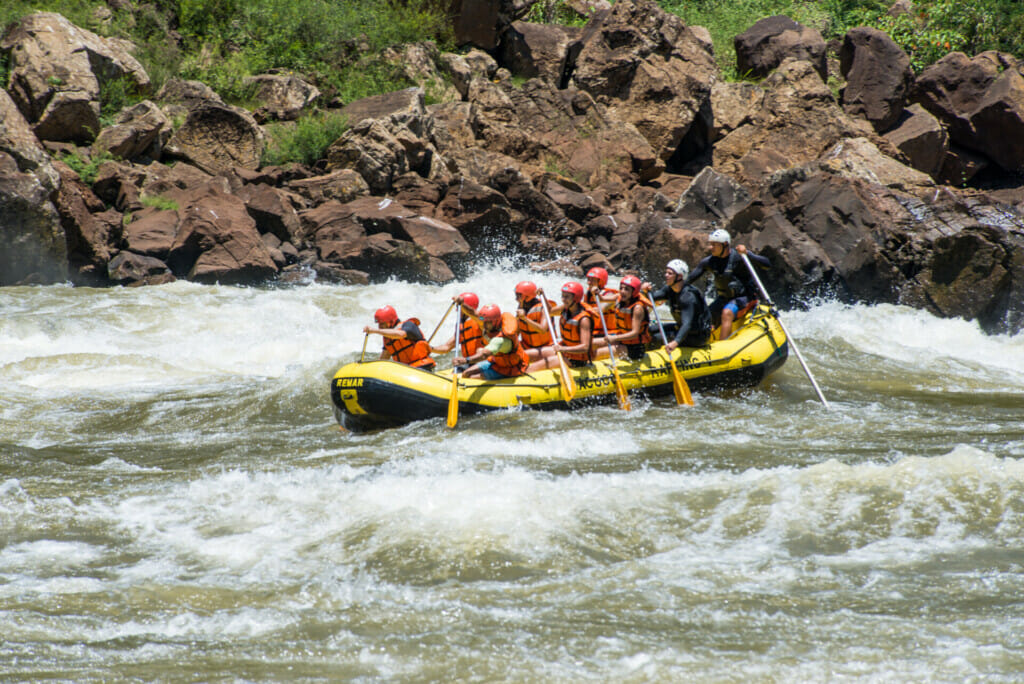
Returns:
<point x="568" y="384"/>
<point x="620" y="390"/>
<point x="679" y="386"/>
<point x="453" y="402"/>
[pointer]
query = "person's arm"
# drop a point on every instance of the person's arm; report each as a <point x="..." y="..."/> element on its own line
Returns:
<point x="393" y="333"/>
<point x="660" y="295"/>
<point x="756" y="258"/>
<point x="497" y="345"/>
<point x="542" y="326"/>
<point x="444" y="348"/>
<point x="698" y="271"/>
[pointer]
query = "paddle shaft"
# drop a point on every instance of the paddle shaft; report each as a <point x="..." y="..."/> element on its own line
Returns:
<point x="366" y="338"/>
<point x="620" y="389"/>
<point x="453" y="398"/>
<point x="682" y="390"/>
<point x="443" y="319"/>
<point x="792" y="342"/>
<point x="567" y="382"/>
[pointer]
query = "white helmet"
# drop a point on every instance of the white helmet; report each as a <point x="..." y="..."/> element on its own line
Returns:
<point x="680" y="267"/>
<point x="719" y="235"/>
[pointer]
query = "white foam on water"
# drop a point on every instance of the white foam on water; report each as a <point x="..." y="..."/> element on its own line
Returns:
<point x="910" y="336"/>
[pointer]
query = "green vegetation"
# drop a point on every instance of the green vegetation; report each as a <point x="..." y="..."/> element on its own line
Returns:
<point x="936" y="27"/>
<point x="86" y="166"/>
<point x="157" y="202"/>
<point x="305" y="141"/>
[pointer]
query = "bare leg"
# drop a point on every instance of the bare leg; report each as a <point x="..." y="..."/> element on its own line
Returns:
<point x="727" y="318"/>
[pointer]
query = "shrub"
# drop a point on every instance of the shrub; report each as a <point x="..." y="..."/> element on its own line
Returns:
<point x="304" y="141"/>
<point x="86" y="166"/>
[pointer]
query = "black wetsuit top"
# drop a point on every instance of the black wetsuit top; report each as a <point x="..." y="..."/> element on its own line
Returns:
<point x="690" y="311"/>
<point x="732" y="277"/>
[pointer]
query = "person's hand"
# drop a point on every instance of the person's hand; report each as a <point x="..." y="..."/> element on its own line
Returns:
<point x="367" y="330"/>
<point x="742" y="249"/>
<point x="459" y="361"/>
<point x="671" y="346"/>
<point x="520" y="313"/>
<point x="646" y="287"/>
<point x="457" y="299"/>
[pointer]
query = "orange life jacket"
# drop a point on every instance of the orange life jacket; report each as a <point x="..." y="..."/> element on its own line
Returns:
<point x="590" y="299"/>
<point x="622" y="322"/>
<point x="471" y="337"/>
<point x="514" y="361"/>
<point x="404" y="350"/>
<point x="534" y="338"/>
<point x="570" y="328"/>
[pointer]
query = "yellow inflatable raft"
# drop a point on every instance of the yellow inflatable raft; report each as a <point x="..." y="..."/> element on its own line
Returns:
<point x="380" y="394"/>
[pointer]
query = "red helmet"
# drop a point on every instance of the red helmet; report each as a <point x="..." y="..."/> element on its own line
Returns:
<point x="600" y="274"/>
<point x="470" y="300"/>
<point x="631" y="281"/>
<point x="527" y="289"/>
<point x="575" y="289"/>
<point x="386" y="316"/>
<point x="490" y="313"/>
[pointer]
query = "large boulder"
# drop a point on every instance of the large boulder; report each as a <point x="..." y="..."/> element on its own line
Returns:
<point x="281" y="97"/>
<point x="217" y="138"/>
<point x="920" y="136"/>
<point x="217" y="240"/>
<point x="772" y="40"/>
<point x="878" y="76"/>
<point x="34" y="244"/>
<point x="998" y="120"/>
<point x="57" y="70"/>
<point x="140" y="132"/>
<point x="953" y="87"/>
<point x="545" y="51"/>
<point x="799" y="120"/>
<point x="93" y="235"/>
<point x="650" y="70"/>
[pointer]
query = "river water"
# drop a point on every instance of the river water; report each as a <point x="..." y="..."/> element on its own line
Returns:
<point x="177" y="502"/>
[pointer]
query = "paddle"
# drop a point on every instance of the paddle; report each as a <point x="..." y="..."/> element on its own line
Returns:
<point x="620" y="389"/>
<point x="366" y="337"/>
<point x="453" y="398"/>
<point x="789" y="337"/>
<point x="443" y="318"/>
<point x="679" y="386"/>
<point x="568" y="384"/>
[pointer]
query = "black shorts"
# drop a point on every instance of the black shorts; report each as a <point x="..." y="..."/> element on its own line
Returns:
<point x="574" y="363"/>
<point x="635" y="352"/>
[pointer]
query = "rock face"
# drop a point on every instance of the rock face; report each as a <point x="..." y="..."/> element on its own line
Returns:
<point x="57" y="70"/>
<point x="33" y="243"/>
<point x="621" y="149"/>
<point x="650" y="70"/>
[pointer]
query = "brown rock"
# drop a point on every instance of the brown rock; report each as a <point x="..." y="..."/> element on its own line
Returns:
<point x="217" y="241"/>
<point x="217" y="138"/>
<point x="649" y="70"/>
<point x="141" y="131"/>
<point x="343" y="185"/>
<point x="282" y="97"/>
<point x="540" y="50"/>
<point x="921" y="137"/>
<point x="773" y="40"/>
<point x="128" y="267"/>
<point x="878" y="76"/>
<point x="151" y="232"/>
<point x="56" y="72"/>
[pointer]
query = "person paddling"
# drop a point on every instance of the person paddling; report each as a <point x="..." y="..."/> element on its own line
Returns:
<point x="734" y="285"/>
<point x="576" y="324"/>
<point x="403" y="341"/>
<point x="533" y="320"/>
<point x="471" y="336"/>
<point x="692" y="327"/>
<point x="630" y="320"/>
<point x="503" y="355"/>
